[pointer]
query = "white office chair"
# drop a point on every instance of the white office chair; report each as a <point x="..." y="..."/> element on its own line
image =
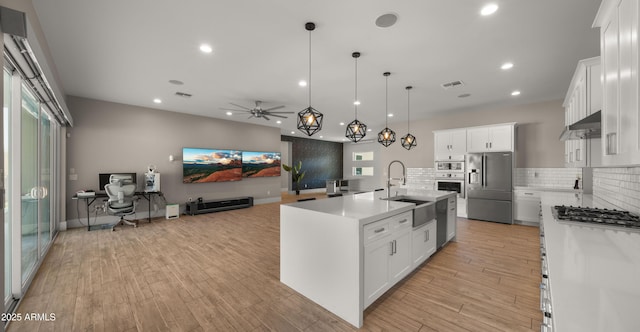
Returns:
<point x="122" y="201"/>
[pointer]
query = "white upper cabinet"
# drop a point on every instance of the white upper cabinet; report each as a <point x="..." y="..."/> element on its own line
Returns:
<point x="618" y="23"/>
<point x="491" y="138"/>
<point x="583" y="98"/>
<point x="450" y="144"/>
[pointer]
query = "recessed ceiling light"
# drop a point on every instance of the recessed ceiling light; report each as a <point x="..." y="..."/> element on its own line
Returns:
<point x="357" y="102"/>
<point x="229" y="113"/>
<point x="369" y="129"/>
<point x="206" y="48"/>
<point x="321" y="136"/>
<point x="342" y="123"/>
<point x="386" y="20"/>
<point x="506" y="65"/>
<point x="278" y="122"/>
<point x="157" y="101"/>
<point x="515" y="93"/>
<point x="489" y="9"/>
<point x="302" y="83"/>
<point x="293" y="132"/>
<point x="176" y="82"/>
<point x="390" y="115"/>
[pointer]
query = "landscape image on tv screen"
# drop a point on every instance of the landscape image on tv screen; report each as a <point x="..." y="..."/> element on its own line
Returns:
<point x="211" y="165"/>
<point x="259" y="164"/>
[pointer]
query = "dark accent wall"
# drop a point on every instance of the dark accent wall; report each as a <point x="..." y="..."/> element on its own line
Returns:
<point x="322" y="160"/>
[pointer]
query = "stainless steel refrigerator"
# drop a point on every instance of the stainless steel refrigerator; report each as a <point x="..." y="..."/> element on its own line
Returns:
<point x="490" y="187"/>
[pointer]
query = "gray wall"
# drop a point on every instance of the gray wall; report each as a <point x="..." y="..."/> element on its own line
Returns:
<point x="537" y="143"/>
<point x="111" y="137"/>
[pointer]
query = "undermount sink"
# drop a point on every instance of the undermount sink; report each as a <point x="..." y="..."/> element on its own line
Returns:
<point x="408" y="199"/>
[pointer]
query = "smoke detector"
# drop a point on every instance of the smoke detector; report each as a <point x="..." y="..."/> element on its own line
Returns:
<point x="454" y="84"/>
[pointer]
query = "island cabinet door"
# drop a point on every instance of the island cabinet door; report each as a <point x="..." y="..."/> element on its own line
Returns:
<point x="376" y="268"/>
<point x="400" y="262"/>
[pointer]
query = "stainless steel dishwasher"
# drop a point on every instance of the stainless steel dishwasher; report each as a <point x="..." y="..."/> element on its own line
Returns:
<point x="442" y="206"/>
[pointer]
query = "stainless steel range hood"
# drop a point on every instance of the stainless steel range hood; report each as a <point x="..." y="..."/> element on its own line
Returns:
<point x="589" y="127"/>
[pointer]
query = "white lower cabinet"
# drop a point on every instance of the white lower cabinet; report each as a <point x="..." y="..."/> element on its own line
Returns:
<point x="387" y="254"/>
<point x="423" y="242"/>
<point x="527" y="206"/>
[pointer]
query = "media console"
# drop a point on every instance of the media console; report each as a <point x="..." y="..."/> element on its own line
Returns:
<point x="200" y="207"/>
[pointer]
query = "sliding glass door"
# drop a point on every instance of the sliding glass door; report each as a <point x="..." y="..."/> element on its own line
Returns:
<point x="6" y="118"/>
<point x="29" y="181"/>
<point x="30" y="151"/>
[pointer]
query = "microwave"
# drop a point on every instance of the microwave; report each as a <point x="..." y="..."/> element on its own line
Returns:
<point x="450" y="166"/>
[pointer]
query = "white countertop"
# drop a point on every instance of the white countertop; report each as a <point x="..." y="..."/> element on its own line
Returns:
<point x="367" y="207"/>
<point x="594" y="272"/>
<point x="551" y="189"/>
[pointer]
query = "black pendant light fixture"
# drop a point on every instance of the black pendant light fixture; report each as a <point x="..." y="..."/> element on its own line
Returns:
<point x="387" y="136"/>
<point x="408" y="140"/>
<point x="309" y="119"/>
<point x="356" y="130"/>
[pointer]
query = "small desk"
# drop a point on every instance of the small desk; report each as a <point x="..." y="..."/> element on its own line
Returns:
<point x="89" y="200"/>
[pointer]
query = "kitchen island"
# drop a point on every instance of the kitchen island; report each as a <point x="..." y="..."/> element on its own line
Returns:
<point x="322" y="248"/>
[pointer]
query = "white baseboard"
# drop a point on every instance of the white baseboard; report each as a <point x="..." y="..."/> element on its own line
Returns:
<point x="267" y="200"/>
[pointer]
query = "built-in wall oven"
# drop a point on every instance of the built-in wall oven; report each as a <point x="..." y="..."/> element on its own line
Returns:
<point x="450" y="176"/>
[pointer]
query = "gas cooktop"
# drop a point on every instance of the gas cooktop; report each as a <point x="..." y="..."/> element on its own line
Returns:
<point x="602" y="217"/>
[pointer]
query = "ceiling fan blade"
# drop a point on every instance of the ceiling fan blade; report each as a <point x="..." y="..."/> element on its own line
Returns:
<point x="266" y="117"/>
<point x="251" y="116"/>
<point x="281" y="112"/>
<point x="278" y="116"/>
<point x="273" y="108"/>
<point x="234" y="110"/>
<point x="245" y="108"/>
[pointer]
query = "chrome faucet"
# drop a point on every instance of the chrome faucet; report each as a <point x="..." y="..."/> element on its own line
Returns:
<point x="403" y="178"/>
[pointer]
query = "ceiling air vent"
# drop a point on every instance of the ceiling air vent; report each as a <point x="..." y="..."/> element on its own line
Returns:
<point x="453" y="84"/>
<point x="183" y="94"/>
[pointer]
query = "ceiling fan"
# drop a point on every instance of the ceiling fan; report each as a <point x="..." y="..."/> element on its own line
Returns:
<point x="258" y="111"/>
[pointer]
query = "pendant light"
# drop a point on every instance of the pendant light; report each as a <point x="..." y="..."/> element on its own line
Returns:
<point x="309" y="119"/>
<point x="356" y="130"/>
<point x="408" y="140"/>
<point x="387" y="136"/>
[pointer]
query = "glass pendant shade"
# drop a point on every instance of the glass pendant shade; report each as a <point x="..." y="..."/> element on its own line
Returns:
<point x="409" y="141"/>
<point x="386" y="137"/>
<point x="356" y="130"/>
<point x="309" y="119"/>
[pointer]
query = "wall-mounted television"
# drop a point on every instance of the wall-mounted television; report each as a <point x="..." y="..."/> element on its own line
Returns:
<point x="211" y="165"/>
<point x="260" y="164"/>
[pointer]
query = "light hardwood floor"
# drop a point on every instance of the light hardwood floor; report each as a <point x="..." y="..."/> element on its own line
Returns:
<point x="220" y="272"/>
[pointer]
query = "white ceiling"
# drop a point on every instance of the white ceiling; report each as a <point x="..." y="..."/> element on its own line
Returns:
<point x="126" y="51"/>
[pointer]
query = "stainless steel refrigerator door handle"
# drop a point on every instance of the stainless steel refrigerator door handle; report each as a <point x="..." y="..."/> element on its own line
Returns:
<point x="484" y="170"/>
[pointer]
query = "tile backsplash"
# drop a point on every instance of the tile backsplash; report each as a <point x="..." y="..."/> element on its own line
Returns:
<point x="618" y="186"/>
<point x="423" y="178"/>
<point x="557" y="178"/>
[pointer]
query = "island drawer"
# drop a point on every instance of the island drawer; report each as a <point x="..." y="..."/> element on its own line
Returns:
<point x="402" y="220"/>
<point x="376" y="230"/>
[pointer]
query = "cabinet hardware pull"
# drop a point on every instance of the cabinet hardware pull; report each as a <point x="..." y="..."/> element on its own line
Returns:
<point x="379" y="230"/>
<point x="490" y="144"/>
<point x="391" y="248"/>
<point x="528" y="194"/>
<point x="403" y="221"/>
<point x="427" y="237"/>
<point x="486" y="145"/>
